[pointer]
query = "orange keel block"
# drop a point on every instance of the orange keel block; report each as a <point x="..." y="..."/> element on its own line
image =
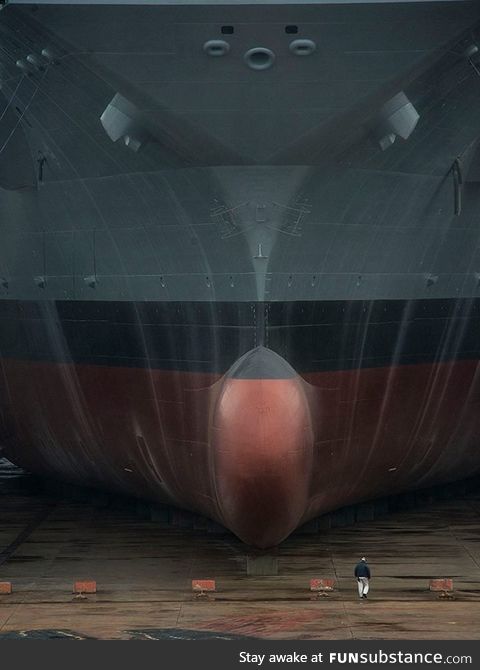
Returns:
<point x="5" y="588"/>
<point x="263" y="448"/>
<point x="322" y="584"/>
<point x="85" y="587"/>
<point x="203" y="585"/>
<point x="441" y="585"/>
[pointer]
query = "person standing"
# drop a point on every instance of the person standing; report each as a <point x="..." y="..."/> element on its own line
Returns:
<point x="362" y="573"/>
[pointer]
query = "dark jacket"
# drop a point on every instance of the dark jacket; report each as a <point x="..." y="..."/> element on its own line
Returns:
<point x="362" y="570"/>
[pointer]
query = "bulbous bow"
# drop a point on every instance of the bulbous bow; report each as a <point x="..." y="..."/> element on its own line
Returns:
<point x="262" y="448"/>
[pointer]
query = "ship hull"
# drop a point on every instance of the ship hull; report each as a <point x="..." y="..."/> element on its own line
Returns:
<point x="240" y="259"/>
<point x="244" y="437"/>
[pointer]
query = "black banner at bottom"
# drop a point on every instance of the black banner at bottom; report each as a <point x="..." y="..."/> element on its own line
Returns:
<point x="245" y="655"/>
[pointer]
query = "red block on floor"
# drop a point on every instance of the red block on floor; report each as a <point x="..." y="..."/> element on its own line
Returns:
<point x="203" y="585"/>
<point x="322" y="584"/>
<point x="5" y="588"/>
<point x="85" y="587"/>
<point x="441" y="585"/>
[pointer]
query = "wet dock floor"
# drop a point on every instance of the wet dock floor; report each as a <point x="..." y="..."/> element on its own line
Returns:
<point x="144" y="571"/>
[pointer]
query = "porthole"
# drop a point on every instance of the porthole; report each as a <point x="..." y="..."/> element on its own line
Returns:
<point x="302" y="47"/>
<point x="291" y="30"/>
<point x="259" y="58"/>
<point x="216" y="48"/>
<point x="227" y="30"/>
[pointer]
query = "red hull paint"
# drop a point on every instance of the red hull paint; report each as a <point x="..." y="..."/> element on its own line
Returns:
<point x="263" y="449"/>
<point x="259" y="455"/>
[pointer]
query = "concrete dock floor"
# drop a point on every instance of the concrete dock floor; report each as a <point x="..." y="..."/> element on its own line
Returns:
<point x="144" y="574"/>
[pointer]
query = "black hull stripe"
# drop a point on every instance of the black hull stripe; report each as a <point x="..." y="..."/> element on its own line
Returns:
<point x="210" y="337"/>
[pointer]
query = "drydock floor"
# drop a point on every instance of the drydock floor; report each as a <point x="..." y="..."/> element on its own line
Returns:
<point x="144" y="572"/>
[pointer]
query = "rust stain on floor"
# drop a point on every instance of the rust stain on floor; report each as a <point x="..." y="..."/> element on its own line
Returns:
<point x="264" y="622"/>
